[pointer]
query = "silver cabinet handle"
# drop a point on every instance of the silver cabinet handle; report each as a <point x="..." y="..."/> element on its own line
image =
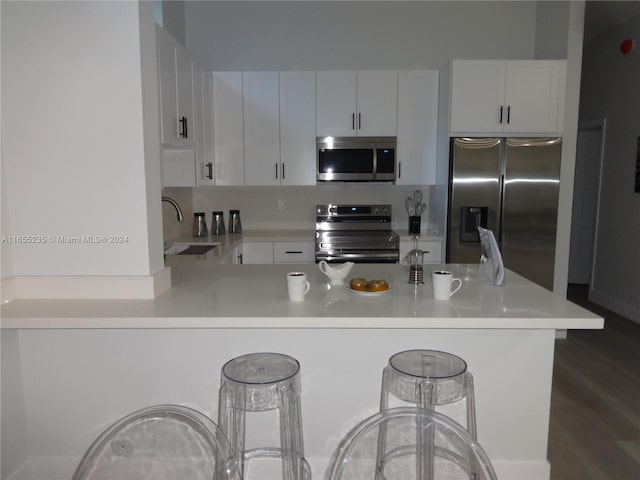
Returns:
<point x="399" y="169"/>
<point x="276" y="170"/>
<point x="282" y="170"/>
<point x="509" y="114"/>
<point x="359" y="121"/>
<point x="353" y="121"/>
<point x="501" y="110"/>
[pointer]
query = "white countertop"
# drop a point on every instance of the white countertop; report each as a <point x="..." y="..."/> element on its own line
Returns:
<point x="205" y="295"/>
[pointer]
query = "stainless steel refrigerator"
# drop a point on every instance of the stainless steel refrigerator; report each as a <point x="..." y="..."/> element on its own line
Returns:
<point x="510" y="186"/>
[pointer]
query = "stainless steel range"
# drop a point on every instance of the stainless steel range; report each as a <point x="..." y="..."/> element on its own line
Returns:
<point x="356" y="233"/>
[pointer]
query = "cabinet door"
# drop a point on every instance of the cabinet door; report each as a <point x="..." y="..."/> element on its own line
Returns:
<point x="298" y="128"/>
<point x="184" y="75"/>
<point x="533" y="96"/>
<point x="227" y="128"/>
<point x="417" y="127"/>
<point x="168" y="87"/>
<point x="260" y="91"/>
<point x="336" y="103"/>
<point x="294" y="252"/>
<point x="477" y="95"/>
<point x="377" y="103"/>
<point x="257" y="252"/>
<point x="202" y="92"/>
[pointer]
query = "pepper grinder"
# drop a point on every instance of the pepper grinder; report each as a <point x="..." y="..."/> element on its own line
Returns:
<point x="199" y="225"/>
<point x="234" y="221"/>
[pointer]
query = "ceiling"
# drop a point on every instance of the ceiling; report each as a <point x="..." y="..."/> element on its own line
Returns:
<point x="601" y="16"/>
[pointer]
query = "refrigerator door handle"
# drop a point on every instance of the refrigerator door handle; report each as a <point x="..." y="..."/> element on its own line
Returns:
<point x="501" y="212"/>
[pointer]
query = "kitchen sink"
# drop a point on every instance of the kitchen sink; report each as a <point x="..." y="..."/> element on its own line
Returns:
<point x="189" y="248"/>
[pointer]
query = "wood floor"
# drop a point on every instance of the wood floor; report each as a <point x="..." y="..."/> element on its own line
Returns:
<point x="594" y="431"/>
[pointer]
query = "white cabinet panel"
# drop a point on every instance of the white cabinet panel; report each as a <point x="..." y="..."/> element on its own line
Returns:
<point x="363" y="103"/>
<point x="477" y="95"/>
<point x="532" y="96"/>
<point x="377" y="102"/>
<point x="257" y="252"/>
<point x="417" y="127"/>
<point x="507" y="96"/>
<point x="176" y="91"/>
<point x="336" y="103"/>
<point x="203" y="125"/>
<point x="228" y="128"/>
<point x="261" y="106"/>
<point x="298" y="128"/>
<point x="294" y="252"/>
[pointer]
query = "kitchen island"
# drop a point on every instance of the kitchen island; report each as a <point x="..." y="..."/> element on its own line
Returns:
<point x="71" y="367"/>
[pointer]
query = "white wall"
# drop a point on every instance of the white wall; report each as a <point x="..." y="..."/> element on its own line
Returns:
<point x="357" y="35"/>
<point x="259" y="205"/>
<point x="73" y="139"/>
<point x="610" y="90"/>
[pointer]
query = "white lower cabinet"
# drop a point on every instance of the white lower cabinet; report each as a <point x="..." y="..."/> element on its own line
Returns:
<point x="432" y="250"/>
<point x="257" y="252"/>
<point x="294" y="252"/>
<point x="271" y="252"/>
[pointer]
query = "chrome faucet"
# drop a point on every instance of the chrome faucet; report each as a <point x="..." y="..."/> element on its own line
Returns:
<point x="175" y="205"/>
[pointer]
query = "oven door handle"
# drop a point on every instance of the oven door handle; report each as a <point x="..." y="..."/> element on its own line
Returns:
<point x="372" y="257"/>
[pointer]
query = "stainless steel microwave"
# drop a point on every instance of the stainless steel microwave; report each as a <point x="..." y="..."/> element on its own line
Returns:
<point x="356" y="159"/>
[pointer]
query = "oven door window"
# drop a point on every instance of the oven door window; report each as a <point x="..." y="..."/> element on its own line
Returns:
<point x="345" y="161"/>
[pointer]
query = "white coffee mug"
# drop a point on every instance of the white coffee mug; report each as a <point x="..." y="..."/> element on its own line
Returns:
<point x="297" y="285"/>
<point x="442" y="282"/>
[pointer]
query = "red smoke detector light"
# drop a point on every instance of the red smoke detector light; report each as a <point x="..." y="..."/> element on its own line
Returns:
<point x="626" y="46"/>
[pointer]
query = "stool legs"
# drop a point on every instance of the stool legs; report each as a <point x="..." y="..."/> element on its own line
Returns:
<point x="425" y="379"/>
<point x="231" y="420"/>
<point x="259" y="383"/>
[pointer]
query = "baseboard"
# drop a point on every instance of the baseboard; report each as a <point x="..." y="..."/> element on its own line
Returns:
<point x="86" y="286"/>
<point x="616" y="305"/>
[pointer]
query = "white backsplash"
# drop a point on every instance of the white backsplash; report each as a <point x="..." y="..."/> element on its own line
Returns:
<point x="259" y="206"/>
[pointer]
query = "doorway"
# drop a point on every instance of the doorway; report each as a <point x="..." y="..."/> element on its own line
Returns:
<point x="586" y="193"/>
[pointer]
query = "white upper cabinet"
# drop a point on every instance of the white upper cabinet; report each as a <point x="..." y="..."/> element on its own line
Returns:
<point x="202" y="91"/>
<point x="228" y="128"/>
<point x="261" y="98"/>
<point x="176" y="91"/>
<point x="377" y="103"/>
<point x="417" y="127"/>
<point x="507" y="96"/>
<point x="360" y="103"/>
<point x="298" y="128"/>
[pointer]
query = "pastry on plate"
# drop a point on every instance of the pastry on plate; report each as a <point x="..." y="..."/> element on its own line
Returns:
<point x="377" y="286"/>
<point x="358" y="284"/>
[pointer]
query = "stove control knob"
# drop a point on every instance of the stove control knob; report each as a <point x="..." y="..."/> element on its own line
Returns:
<point x="375" y="211"/>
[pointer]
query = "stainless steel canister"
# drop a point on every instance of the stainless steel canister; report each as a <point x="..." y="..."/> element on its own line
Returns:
<point x="199" y="225"/>
<point x="234" y="221"/>
<point x="217" y="223"/>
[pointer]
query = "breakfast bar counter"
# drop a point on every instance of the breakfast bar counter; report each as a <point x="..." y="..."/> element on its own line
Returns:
<point x="70" y="368"/>
<point x="205" y="295"/>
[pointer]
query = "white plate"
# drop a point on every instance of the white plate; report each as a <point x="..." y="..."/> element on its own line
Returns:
<point x="370" y="294"/>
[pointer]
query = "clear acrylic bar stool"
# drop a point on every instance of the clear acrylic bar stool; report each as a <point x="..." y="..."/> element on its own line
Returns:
<point x="261" y="382"/>
<point x="457" y="456"/>
<point x="426" y="379"/>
